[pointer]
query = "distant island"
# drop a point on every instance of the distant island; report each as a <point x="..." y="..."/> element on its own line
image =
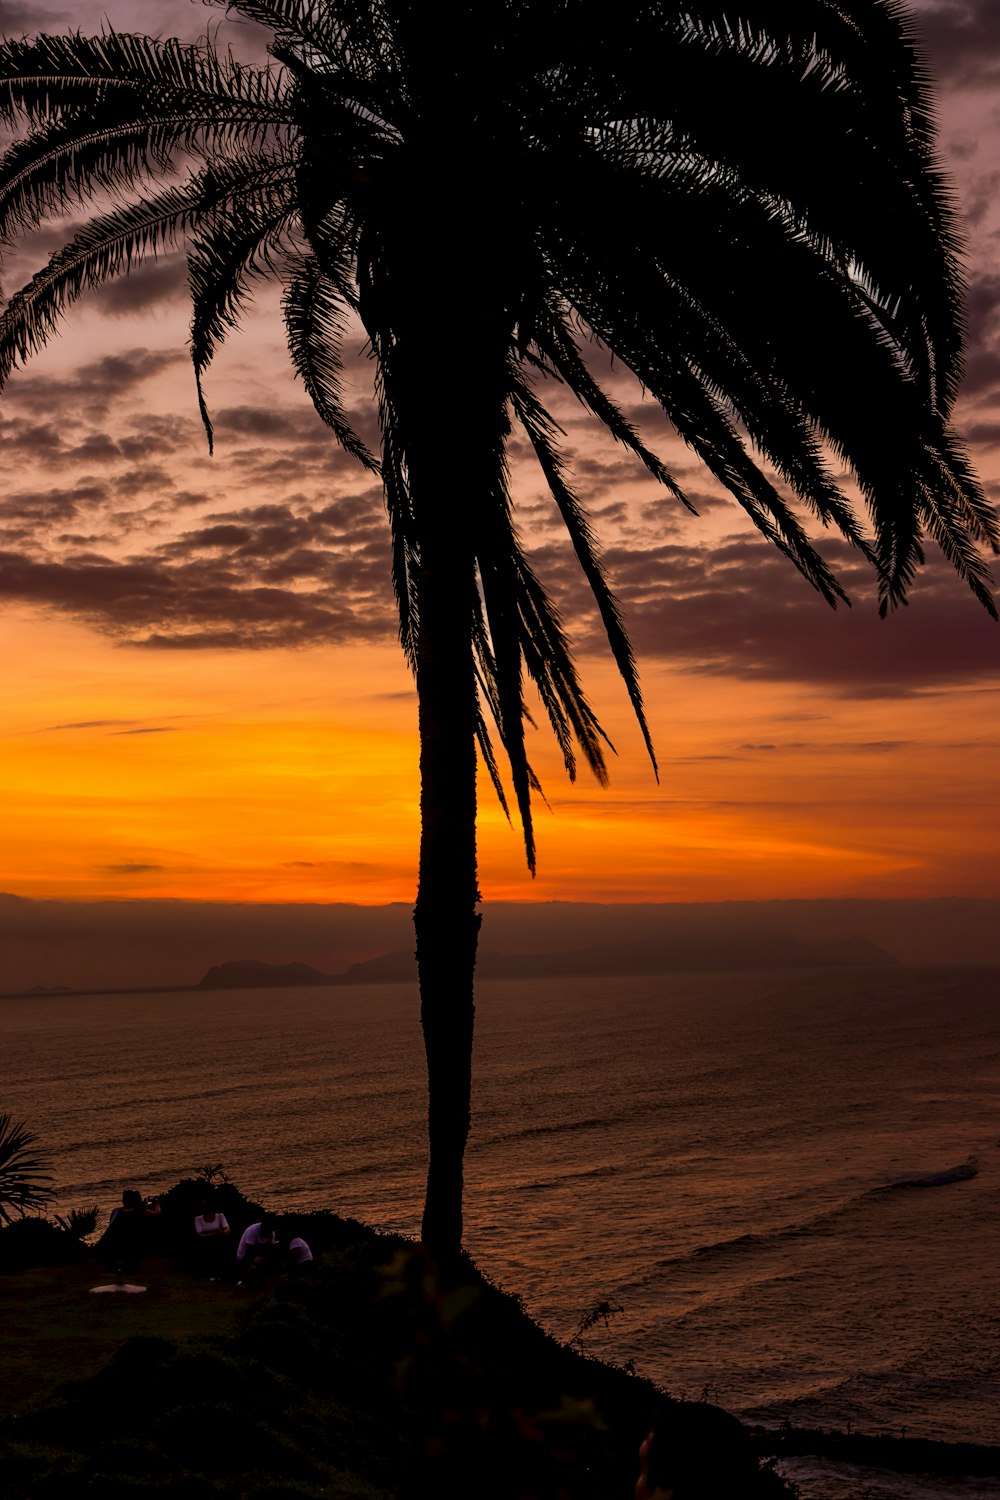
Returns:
<point x="249" y="974"/>
<point x="669" y="955"/>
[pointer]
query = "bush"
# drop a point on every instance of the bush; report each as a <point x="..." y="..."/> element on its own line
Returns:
<point x="38" y="1242"/>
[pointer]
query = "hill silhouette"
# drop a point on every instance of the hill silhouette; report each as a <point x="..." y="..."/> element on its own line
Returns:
<point x="665" y="955"/>
<point x="251" y="974"/>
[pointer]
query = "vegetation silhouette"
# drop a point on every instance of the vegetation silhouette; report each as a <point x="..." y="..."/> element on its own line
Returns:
<point x="24" y="1171"/>
<point x="493" y="189"/>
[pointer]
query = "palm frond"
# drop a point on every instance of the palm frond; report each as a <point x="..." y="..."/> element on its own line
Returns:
<point x="405" y="544"/>
<point x="47" y="76"/>
<point x="105" y="248"/>
<point x="61" y="164"/>
<point x="315" y="319"/>
<point x="498" y="580"/>
<point x="560" y="348"/>
<point x="24" y="1172"/>
<point x="549" y="663"/>
<point x="246" y="210"/>
<point x="540" y="430"/>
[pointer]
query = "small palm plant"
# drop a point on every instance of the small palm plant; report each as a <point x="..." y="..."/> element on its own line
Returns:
<point x="24" y="1173"/>
<point x="79" y="1223"/>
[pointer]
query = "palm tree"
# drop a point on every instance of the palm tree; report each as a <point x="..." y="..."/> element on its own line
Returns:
<point x="491" y="187"/>
<point x="24" y="1174"/>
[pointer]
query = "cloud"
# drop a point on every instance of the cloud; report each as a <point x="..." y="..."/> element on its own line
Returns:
<point x="739" y="609"/>
<point x="149" y="285"/>
<point x="148" y="729"/>
<point x="89" y="724"/>
<point x="270" y="575"/>
<point x="97" y="381"/>
<point x="963" y="39"/>
<point x="813" y="747"/>
<point x="17" y="19"/>
<point x="132" y="869"/>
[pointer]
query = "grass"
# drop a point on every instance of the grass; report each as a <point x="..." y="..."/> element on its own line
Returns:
<point x="54" y="1329"/>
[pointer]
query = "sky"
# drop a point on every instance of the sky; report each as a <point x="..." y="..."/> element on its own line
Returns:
<point x="203" y="695"/>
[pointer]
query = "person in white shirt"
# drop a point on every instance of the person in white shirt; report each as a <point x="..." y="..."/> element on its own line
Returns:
<point x="211" y="1230"/>
<point x="210" y="1222"/>
<point x="258" y="1251"/>
<point x="297" y="1254"/>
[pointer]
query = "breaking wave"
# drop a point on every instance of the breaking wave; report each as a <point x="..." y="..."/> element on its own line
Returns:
<point x="742" y="1244"/>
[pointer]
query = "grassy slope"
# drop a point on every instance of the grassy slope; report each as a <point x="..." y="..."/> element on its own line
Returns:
<point x="372" y="1379"/>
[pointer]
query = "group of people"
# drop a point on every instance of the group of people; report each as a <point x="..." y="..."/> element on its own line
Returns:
<point x="263" y="1251"/>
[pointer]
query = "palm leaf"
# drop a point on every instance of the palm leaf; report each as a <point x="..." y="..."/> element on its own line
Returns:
<point x="315" y="319"/>
<point x="246" y="210"/>
<point x="103" y="249"/>
<point x="24" y="1173"/>
<point x="540" y="430"/>
<point x="50" y="77"/>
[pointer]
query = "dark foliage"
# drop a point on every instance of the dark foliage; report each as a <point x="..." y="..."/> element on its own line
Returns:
<point x="38" y="1242"/>
<point x="377" y="1378"/>
<point x="25" y="1179"/>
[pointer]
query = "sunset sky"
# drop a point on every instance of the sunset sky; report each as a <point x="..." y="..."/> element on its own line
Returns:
<point x="203" y="696"/>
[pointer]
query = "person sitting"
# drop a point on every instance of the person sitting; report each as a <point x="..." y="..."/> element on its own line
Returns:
<point x="258" y="1251"/>
<point x="211" y="1229"/>
<point x="124" y="1239"/>
<point x="297" y="1254"/>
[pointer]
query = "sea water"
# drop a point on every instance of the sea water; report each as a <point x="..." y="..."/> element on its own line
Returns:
<point x="788" y="1182"/>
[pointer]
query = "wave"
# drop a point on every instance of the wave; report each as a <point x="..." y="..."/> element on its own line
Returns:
<point x="749" y="1241"/>
<point x="536" y="1185"/>
<point x="962" y="1173"/>
<point x="560" y="1127"/>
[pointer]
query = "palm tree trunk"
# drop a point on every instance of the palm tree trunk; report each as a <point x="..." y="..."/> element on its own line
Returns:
<point x="448" y="384"/>
<point x="445" y="917"/>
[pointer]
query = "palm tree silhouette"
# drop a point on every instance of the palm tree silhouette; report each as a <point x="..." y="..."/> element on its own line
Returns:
<point x="741" y="204"/>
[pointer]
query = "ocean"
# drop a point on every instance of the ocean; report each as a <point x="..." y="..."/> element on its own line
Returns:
<point x="788" y="1182"/>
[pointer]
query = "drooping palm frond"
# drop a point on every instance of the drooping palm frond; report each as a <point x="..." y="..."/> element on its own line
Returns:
<point x="562" y="353"/>
<point x="315" y="320"/>
<point x="246" y="214"/>
<point x="104" y="249"/>
<point x="24" y="1172"/>
<point x="541" y="433"/>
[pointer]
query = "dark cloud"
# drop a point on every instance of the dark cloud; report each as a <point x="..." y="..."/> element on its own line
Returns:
<point x="149" y="285"/>
<point x="267" y="576"/>
<point x="35" y="508"/>
<point x="982" y="308"/>
<point x="132" y="869"/>
<point x="982" y="373"/>
<point x="139" y="482"/>
<point x="292" y="424"/>
<point x="819" y="747"/>
<point x="739" y="609"/>
<point x="962" y="38"/>
<point x="148" y="729"/>
<point x="18" y="20"/>
<point x="89" y="724"/>
<point x="90" y="387"/>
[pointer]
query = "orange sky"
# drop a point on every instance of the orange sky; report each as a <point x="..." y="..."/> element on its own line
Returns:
<point x="272" y="755"/>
